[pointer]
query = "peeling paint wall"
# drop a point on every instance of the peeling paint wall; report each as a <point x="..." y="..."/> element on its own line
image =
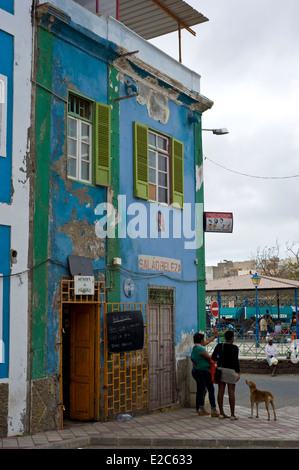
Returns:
<point x="71" y="58"/>
<point x="72" y="219"/>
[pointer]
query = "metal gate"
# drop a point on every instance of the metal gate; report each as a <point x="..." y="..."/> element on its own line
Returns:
<point x="126" y="373"/>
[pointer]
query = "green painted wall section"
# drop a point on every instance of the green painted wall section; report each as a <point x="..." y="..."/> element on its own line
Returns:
<point x="41" y="209"/>
<point x="201" y="276"/>
<point x="113" y="244"/>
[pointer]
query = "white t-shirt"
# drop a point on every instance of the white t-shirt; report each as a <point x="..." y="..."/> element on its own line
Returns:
<point x="271" y="350"/>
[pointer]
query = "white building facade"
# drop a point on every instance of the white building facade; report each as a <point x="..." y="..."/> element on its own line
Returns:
<point x="15" y="111"/>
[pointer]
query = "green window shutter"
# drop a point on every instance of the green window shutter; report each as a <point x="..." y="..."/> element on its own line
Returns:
<point x="102" y="144"/>
<point x="177" y="172"/>
<point x="140" y="160"/>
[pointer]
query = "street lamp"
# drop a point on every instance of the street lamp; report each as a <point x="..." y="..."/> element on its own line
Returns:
<point x="256" y="281"/>
<point x="195" y="119"/>
<point x="221" y="131"/>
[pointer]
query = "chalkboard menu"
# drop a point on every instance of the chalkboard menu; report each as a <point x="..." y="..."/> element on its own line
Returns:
<point x="124" y="331"/>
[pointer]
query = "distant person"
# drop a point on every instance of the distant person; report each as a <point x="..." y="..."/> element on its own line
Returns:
<point x="278" y="328"/>
<point x="270" y="324"/>
<point x="293" y="322"/>
<point x="269" y="321"/>
<point x="263" y="327"/>
<point x="271" y="356"/>
<point x="227" y="357"/>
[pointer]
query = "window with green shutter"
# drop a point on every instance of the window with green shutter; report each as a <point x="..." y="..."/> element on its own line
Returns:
<point x="177" y="165"/>
<point x="79" y="144"/>
<point x="88" y="137"/>
<point x="102" y="144"/>
<point x="158" y="166"/>
<point x="140" y="134"/>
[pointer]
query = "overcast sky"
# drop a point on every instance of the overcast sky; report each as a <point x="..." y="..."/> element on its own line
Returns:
<point x="248" y="57"/>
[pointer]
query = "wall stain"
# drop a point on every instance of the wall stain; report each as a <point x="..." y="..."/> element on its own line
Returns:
<point x="84" y="240"/>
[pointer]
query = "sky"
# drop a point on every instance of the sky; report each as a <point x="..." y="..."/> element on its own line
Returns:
<point x="248" y="57"/>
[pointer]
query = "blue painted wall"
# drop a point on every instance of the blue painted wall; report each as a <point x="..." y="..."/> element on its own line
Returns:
<point x="185" y="283"/>
<point x="6" y="69"/>
<point x="7" y="5"/>
<point x="73" y="204"/>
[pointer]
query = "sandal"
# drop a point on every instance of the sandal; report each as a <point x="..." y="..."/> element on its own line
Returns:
<point x="223" y="416"/>
<point x="233" y="418"/>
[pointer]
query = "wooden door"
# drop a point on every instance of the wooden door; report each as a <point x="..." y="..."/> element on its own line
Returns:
<point x="82" y="362"/>
<point x="161" y="356"/>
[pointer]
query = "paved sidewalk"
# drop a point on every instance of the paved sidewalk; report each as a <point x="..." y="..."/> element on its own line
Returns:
<point x="181" y="428"/>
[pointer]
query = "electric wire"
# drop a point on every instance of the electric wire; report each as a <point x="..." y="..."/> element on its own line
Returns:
<point x="120" y="269"/>
<point x="248" y="175"/>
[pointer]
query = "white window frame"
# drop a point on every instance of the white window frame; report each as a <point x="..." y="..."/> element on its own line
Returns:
<point x="79" y="159"/>
<point x="165" y="153"/>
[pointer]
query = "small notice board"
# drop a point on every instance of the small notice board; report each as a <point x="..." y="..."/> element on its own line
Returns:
<point x="125" y="331"/>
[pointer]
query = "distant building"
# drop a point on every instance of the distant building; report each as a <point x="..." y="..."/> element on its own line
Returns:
<point x="236" y="297"/>
<point x="229" y="268"/>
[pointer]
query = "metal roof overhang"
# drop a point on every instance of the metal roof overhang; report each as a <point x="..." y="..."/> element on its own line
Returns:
<point x="148" y="18"/>
<point x="152" y="18"/>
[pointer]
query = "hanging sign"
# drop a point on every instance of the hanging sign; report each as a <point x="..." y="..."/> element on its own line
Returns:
<point x="84" y="285"/>
<point x="125" y="331"/>
<point x="218" y="222"/>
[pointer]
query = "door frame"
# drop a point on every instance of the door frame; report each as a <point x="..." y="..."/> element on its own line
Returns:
<point x="93" y="397"/>
<point x="164" y="297"/>
<point x="68" y="296"/>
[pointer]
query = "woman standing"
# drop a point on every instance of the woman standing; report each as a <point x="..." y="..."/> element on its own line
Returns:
<point x="201" y="374"/>
<point x="227" y="357"/>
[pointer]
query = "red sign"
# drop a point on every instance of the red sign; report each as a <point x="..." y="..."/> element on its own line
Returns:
<point x="214" y="308"/>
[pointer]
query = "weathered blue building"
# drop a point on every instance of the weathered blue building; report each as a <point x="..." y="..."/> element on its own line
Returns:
<point x="118" y="191"/>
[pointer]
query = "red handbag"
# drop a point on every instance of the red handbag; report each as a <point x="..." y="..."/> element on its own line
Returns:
<point x="212" y="371"/>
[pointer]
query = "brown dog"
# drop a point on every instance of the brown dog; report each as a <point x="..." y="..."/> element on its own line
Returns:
<point x="257" y="396"/>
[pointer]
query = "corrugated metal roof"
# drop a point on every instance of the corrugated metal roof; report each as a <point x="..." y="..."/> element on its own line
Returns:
<point x="149" y="21"/>
<point x="235" y="283"/>
<point x="145" y="17"/>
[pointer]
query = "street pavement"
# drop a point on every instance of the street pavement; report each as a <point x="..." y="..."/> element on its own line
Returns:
<point x="182" y="428"/>
<point x="178" y="428"/>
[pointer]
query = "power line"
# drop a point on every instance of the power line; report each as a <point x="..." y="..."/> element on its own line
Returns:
<point x="251" y="176"/>
<point x="120" y="269"/>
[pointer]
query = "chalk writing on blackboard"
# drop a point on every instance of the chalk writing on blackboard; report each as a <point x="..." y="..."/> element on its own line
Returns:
<point x="125" y="331"/>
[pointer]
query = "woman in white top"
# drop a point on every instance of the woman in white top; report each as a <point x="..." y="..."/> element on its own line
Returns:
<point x="271" y="352"/>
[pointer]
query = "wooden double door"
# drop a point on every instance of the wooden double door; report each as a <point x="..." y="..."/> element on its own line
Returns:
<point x="161" y="355"/>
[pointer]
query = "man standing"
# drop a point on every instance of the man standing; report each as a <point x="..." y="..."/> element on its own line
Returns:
<point x="263" y="327"/>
